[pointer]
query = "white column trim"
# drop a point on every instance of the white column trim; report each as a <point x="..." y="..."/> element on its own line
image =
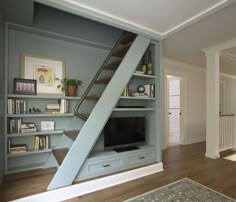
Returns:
<point x="212" y="107"/>
<point x="221" y="46"/>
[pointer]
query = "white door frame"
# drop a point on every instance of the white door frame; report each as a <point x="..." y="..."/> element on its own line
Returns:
<point x="222" y="82"/>
<point x="183" y="106"/>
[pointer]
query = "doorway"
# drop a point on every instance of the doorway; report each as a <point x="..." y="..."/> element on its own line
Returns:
<point x="174" y="110"/>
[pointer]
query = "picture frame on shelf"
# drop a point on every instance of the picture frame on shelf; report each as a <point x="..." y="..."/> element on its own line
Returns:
<point x="25" y="86"/>
<point x="47" y="71"/>
<point x="47" y="125"/>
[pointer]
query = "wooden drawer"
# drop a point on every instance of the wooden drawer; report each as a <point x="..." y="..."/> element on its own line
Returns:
<point x="100" y="167"/>
<point x="140" y="158"/>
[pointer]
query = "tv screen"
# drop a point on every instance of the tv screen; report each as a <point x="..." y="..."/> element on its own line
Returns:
<point x="124" y="132"/>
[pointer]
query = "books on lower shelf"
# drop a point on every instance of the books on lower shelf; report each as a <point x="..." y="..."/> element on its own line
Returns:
<point x="41" y="142"/>
<point x="16" y="148"/>
<point x="16" y="126"/>
<point x="16" y="106"/>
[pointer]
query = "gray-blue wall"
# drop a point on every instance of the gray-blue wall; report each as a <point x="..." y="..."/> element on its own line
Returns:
<point x="72" y="25"/>
<point x="1" y="98"/>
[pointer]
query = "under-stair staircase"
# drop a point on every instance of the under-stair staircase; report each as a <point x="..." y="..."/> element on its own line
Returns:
<point x="122" y="61"/>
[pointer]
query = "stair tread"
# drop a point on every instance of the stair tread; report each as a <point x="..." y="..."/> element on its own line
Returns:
<point x="113" y="65"/>
<point x="60" y="154"/>
<point x="120" y="52"/>
<point x="84" y="116"/>
<point x="93" y="97"/>
<point x="104" y="80"/>
<point x="72" y="134"/>
<point x="128" y="38"/>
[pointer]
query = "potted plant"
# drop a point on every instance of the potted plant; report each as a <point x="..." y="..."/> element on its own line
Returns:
<point x="69" y="86"/>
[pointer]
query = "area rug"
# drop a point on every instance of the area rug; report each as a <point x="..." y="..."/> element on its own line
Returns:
<point x="184" y="190"/>
<point x="231" y="157"/>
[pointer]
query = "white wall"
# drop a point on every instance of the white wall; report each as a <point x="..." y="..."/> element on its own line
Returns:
<point x="229" y="94"/>
<point x="195" y="124"/>
<point x="195" y="106"/>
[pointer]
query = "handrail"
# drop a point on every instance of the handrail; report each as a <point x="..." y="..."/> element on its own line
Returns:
<point x="95" y="78"/>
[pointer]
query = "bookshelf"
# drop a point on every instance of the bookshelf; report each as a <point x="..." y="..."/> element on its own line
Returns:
<point x="39" y="115"/>
<point x="33" y="159"/>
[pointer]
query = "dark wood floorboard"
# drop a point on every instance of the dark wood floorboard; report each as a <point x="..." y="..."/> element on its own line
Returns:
<point x="179" y="162"/>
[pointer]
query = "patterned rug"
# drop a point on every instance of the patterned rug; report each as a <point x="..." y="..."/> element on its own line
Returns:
<point x="231" y="157"/>
<point x="184" y="190"/>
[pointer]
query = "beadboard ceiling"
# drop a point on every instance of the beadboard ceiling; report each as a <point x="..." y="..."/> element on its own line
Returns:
<point x="159" y="18"/>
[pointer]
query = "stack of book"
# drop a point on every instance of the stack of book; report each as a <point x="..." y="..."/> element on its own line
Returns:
<point x="28" y="127"/>
<point x="17" y="148"/>
<point x="52" y="109"/>
<point x="149" y="90"/>
<point x="41" y="142"/>
<point x="64" y="106"/>
<point x="16" y="106"/>
<point x="14" y="125"/>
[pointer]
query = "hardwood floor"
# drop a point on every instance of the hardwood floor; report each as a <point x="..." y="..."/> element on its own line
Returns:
<point x="179" y="162"/>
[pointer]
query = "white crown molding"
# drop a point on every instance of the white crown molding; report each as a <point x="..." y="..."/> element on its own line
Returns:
<point x="228" y="76"/>
<point x="230" y="57"/>
<point x="77" y="8"/>
<point x="183" y="65"/>
<point x="220" y="47"/>
<point x="180" y="64"/>
<point x="197" y="17"/>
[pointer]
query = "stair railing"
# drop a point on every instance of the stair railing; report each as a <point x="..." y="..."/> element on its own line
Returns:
<point x="76" y="112"/>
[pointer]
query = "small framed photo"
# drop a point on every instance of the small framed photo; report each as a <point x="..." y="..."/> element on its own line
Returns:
<point x="25" y="86"/>
<point x="47" y="125"/>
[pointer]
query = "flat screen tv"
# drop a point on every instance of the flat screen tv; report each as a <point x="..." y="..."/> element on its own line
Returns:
<point x="122" y="132"/>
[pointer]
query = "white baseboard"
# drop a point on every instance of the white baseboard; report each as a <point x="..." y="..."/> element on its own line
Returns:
<point x="212" y="156"/>
<point x="195" y="140"/>
<point x="76" y="190"/>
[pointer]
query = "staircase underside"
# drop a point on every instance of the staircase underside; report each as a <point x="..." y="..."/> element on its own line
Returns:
<point x="88" y="135"/>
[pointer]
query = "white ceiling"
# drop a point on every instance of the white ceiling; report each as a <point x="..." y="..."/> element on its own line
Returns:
<point x="186" y="45"/>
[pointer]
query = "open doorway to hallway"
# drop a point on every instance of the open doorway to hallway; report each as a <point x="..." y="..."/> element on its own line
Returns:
<point x="174" y="109"/>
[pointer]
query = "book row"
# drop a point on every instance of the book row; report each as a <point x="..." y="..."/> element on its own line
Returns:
<point x="17" y="126"/>
<point x="16" y="148"/>
<point x="16" y="106"/>
<point x="19" y="106"/>
<point x="41" y="142"/>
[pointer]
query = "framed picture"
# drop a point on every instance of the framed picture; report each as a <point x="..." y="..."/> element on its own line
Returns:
<point x="25" y="86"/>
<point x="47" y="71"/>
<point x="47" y="125"/>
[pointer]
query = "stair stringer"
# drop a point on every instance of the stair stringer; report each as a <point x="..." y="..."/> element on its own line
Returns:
<point x="92" y="128"/>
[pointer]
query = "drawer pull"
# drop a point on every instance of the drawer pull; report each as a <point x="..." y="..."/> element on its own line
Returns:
<point x="143" y="157"/>
<point x="107" y="165"/>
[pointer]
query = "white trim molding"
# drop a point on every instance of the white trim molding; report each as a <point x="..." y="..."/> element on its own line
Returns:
<point x="183" y="105"/>
<point x="220" y="47"/>
<point x="195" y="140"/>
<point x="184" y="65"/>
<point x="76" y="190"/>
